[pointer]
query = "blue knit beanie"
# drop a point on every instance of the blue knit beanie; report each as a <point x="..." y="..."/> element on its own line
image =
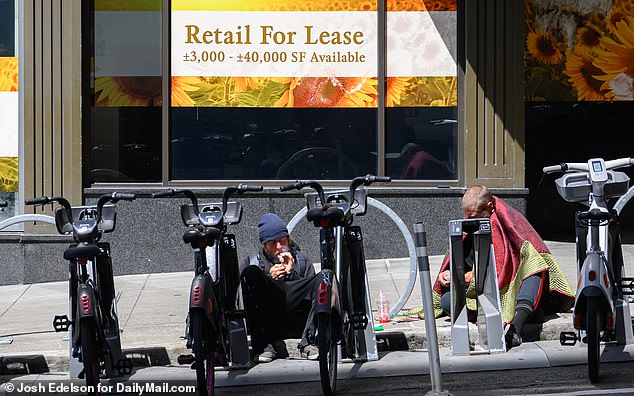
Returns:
<point x="271" y="227"/>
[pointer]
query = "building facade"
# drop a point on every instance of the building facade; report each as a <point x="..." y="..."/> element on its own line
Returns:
<point x="141" y="96"/>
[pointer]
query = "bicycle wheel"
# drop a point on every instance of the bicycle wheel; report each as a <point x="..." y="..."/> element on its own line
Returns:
<point x="327" y="344"/>
<point x="203" y="354"/>
<point x="593" y="337"/>
<point x="90" y="353"/>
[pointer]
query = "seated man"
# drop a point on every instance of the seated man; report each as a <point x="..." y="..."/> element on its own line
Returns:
<point x="528" y="276"/>
<point x="277" y="285"/>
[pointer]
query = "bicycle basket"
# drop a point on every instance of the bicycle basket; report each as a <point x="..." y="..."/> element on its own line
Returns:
<point x="107" y="224"/>
<point x="576" y="186"/>
<point x="359" y="206"/>
<point x="233" y="215"/>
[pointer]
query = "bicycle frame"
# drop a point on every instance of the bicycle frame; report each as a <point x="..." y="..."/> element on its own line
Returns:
<point x="90" y="285"/>
<point x="211" y="322"/>
<point x="341" y="300"/>
<point x="600" y="313"/>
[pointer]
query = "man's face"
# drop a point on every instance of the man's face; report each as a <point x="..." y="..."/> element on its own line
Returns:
<point x="475" y="212"/>
<point x="275" y="247"/>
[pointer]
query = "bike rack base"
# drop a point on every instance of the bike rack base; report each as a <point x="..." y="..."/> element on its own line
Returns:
<point x="490" y="326"/>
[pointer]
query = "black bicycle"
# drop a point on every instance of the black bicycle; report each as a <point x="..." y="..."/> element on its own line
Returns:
<point x="215" y="328"/>
<point x="341" y="296"/>
<point x="93" y="322"/>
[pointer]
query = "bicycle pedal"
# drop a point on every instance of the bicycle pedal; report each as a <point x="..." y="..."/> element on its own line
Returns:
<point x="359" y="321"/>
<point x="185" y="359"/>
<point x="124" y="366"/>
<point x="568" y="338"/>
<point x="61" y="323"/>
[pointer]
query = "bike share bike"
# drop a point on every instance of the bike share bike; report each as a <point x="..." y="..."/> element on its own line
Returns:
<point x="93" y="322"/>
<point x="215" y="332"/>
<point x="341" y="307"/>
<point x="601" y="312"/>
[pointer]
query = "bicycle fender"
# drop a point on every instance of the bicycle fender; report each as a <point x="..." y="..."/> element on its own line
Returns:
<point x="201" y="295"/>
<point x="86" y="302"/>
<point x="327" y="293"/>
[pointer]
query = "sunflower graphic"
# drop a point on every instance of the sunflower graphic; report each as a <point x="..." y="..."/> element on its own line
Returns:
<point x="583" y="75"/>
<point x="394" y="89"/>
<point x="180" y="88"/>
<point x="128" y="91"/>
<point x="543" y="47"/>
<point x="8" y="174"/>
<point x="588" y="36"/>
<point x="8" y="74"/>
<point x="617" y="56"/>
<point x="335" y="92"/>
<point x="287" y="99"/>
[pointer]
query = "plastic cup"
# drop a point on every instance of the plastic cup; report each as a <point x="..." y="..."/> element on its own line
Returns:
<point x="383" y="307"/>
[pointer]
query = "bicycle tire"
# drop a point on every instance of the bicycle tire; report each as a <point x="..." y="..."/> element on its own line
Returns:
<point x="327" y="345"/>
<point x="593" y="338"/>
<point x="203" y="355"/>
<point x="90" y="353"/>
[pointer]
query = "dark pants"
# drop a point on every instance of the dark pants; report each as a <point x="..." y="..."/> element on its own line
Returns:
<point x="530" y="290"/>
<point x="276" y="310"/>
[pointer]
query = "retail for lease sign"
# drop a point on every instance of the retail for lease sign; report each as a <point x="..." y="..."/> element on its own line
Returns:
<point x="274" y="44"/>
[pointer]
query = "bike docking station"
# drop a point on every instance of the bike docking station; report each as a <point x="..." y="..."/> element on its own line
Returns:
<point x="477" y="232"/>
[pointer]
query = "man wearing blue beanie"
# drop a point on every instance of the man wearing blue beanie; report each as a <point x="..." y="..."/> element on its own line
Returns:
<point x="277" y="284"/>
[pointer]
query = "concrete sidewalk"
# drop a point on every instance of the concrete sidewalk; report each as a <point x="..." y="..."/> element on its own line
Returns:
<point x="152" y="311"/>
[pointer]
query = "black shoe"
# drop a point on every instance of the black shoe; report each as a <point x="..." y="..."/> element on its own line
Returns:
<point x="512" y="338"/>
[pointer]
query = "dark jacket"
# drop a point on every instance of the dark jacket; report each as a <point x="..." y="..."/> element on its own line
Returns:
<point x="302" y="268"/>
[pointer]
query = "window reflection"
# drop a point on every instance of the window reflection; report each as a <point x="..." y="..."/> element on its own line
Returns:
<point x="242" y="143"/>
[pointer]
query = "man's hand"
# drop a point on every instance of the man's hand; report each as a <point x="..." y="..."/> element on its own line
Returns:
<point x="444" y="278"/>
<point x="468" y="276"/>
<point x="286" y="259"/>
<point x="283" y="269"/>
<point x="278" y="271"/>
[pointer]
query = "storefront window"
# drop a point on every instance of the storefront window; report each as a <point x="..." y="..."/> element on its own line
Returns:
<point x="421" y="90"/>
<point x="126" y="124"/>
<point x="8" y="107"/>
<point x="275" y="89"/>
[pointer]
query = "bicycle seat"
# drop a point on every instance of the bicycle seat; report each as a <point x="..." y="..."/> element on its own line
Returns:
<point x="75" y="252"/>
<point x="594" y="215"/>
<point x="328" y="212"/>
<point x="191" y="236"/>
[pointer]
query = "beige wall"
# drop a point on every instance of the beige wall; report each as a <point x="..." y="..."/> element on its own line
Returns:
<point x="493" y="93"/>
<point x="51" y="69"/>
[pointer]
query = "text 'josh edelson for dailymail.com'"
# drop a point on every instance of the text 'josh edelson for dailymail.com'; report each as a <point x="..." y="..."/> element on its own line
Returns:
<point x="73" y="388"/>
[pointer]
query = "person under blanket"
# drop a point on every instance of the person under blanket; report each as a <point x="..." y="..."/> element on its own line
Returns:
<point x="528" y="275"/>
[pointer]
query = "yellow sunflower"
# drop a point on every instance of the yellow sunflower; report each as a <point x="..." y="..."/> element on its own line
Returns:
<point x="8" y="74"/>
<point x="242" y="84"/>
<point x="128" y="91"/>
<point x="287" y="99"/>
<point x="543" y="47"/>
<point x="394" y="89"/>
<point x="617" y="55"/>
<point x="588" y="37"/>
<point x="357" y="91"/>
<point x="180" y="87"/>
<point x="583" y="75"/>
<point x="8" y="174"/>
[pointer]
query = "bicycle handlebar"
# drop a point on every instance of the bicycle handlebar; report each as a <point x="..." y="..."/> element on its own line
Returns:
<point x="583" y="166"/>
<point x="356" y="182"/>
<point x="114" y="198"/>
<point x="239" y="189"/>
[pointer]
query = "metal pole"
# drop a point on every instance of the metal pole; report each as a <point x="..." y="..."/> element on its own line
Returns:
<point x="428" y="309"/>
